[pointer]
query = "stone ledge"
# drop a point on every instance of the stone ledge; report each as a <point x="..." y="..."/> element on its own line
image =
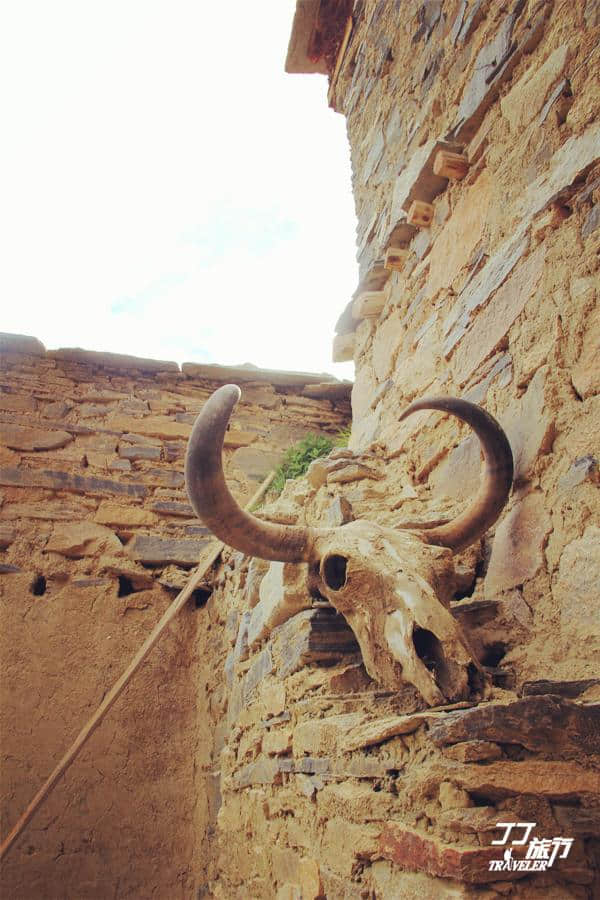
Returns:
<point x="112" y="360"/>
<point x="19" y="437"/>
<point x="567" y="689"/>
<point x="326" y="385"/>
<point x="541" y="723"/>
<point x="21" y="343"/>
<point x="553" y="780"/>
<point x="248" y="372"/>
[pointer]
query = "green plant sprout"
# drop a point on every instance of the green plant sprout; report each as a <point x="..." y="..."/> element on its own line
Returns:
<point x="298" y="458"/>
<point x="343" y="436"/>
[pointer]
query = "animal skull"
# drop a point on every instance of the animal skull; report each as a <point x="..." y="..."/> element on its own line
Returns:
<point x="393" y="586"/>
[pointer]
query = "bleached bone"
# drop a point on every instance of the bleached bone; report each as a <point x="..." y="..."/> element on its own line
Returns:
<point x="393" y="586"/>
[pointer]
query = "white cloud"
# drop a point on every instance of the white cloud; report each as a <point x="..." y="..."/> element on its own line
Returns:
<point x="170" y="191"/>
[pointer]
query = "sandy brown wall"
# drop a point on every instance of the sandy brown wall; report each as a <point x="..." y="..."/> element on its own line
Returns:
<point x="96" y="539"/>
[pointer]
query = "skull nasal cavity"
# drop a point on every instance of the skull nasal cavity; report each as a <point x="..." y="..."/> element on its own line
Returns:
<point x="428" y="648"/>
<point x="334" y="571"/>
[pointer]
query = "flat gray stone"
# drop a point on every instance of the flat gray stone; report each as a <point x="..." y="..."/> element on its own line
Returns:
<point x="151" y="550"/>
<point x="489" y="70"/>
<point x="541" y="723"/>
<point x="315" y="637"/>
<point x="260" y="668"/>
<point x="568" y="689"/>
<point x="166" y="477"/>
<point x="174" y="508"/>
<point x="489" y="278"/>
<point x="592" y="221"/>
<point x="570" y="162"/>
<point x="139" y="451"/>
<point x="518" y="548"/>
<point x="19" y="437"/>
<point x="64" y="481"/>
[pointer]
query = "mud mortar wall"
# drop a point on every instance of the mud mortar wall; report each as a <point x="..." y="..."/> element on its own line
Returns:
<point x="96" y="539"/>
<point x="498" y="299"/>
<point x="324" y="785"/>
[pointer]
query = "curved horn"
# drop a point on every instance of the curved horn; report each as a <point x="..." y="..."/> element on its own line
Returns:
<point x="214" y="504"/>
<point x="497" y="477"/>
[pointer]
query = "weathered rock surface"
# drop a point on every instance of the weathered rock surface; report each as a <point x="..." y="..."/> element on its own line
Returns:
<point x="79" y="539"/>
<point x="172" y="508"/>
<point x="577" y="583"/>
<point x="256" y="464"/>
<point x="354" y="471"/>
<point x="113" y="360"/>
<point x="256" y="572"/>
<point x="547" y="779"/>
<point x="151" y="550"/>
<point x="526" y="98"/>
<point x="7" y="536"/>
<point x="152" y="426"/>
<point x="21" y="343"/>
<point x="569" y="689"/>
<point x="16" y="402"/>
<point x="416" y="851"/>
<point x="530" y="426"/>
<point x="473" y="751"/>
<point x="570" y="160"/>
<point x="114" y="514"/>
<point x="586" y="372"/>
<point x="139" y="452"/>
<point x="314" y="637"/>
<point x="494" y="321"/>
<point x="18" y="437"/>
<point x="545" y="724"/>
<point x="339" y="512"/>
<point x="517" y="551"/>
<point x="63" y="481"/>
<point x="283" y="592"/>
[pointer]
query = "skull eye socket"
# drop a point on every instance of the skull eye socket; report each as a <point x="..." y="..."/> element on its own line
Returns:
<point x="428" y="648"/>
<point x="333" y="571"/>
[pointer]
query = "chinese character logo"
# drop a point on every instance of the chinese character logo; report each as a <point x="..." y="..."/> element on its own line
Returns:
<point x="540" y="854"/>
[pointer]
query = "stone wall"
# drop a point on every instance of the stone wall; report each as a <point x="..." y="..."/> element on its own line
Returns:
<point x="96" y="539"/>
<point x="325" y="785"/>
<point x="300" y="777"/>
<point x="497" y="301"/>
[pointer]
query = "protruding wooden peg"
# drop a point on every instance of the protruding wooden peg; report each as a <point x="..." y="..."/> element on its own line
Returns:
<point x="395" y="258"/>
<point x="450" y="165"/>
<point x="343" y="347"/>
<point x="368" y="305"/>
<point x="420" y="214"/>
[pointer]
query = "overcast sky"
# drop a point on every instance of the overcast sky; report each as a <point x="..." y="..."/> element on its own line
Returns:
<point x="168" y="191"/>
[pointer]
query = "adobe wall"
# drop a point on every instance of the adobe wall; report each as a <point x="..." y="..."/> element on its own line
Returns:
<point x="96" y="539"/>
<point x="329" y="786"/>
